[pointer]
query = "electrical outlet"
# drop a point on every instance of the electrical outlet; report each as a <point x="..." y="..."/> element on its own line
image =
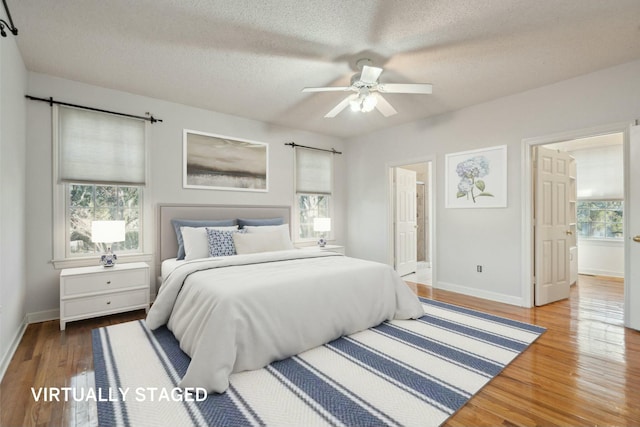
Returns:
<point x="479" y="268"/>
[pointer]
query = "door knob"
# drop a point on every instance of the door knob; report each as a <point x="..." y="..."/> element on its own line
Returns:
<point x="636" y="239"/>
<point x="569" y="232"/>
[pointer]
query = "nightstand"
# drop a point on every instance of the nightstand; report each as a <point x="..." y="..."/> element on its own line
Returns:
<point x="97" y="291"/>
<point x="331" y="248"/>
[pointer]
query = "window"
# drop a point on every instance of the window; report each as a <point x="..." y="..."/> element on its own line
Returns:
<point x="600" y="219"/>
<point x="314" y="188"/>
<point x="311" y="206"/>
<point x="100" y="166"/>
<point x="89" y="202"/>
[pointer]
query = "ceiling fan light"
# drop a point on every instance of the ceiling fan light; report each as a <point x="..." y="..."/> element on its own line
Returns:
<point x="369" y="103"/>
<point x="355" y="104"/>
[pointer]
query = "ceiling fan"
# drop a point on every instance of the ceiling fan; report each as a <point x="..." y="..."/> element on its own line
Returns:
<point x="368" y="91"/>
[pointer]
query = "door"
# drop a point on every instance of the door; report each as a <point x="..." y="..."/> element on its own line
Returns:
<point x="632" y="241"/>
<point x="406" y="241"/>
<point x="552" y="229"/>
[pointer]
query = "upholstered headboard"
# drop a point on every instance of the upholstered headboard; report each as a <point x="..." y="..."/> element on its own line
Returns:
<point x="167" y="245"/>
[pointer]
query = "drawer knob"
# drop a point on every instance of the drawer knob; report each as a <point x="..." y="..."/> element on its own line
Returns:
<point x="108" y="302"/>
<point x="108" y="282"/>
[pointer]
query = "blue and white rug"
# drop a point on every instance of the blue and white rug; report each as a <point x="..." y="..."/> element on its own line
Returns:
<point x="400" y="373"/>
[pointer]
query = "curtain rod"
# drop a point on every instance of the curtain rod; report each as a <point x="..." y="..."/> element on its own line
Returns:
<point x="52" y="101"/>
<point x="10" y="25"/>
<point x="294" y="145"/>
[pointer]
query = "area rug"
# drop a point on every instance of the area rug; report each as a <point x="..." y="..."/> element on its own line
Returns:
<point x="400" y="373"/>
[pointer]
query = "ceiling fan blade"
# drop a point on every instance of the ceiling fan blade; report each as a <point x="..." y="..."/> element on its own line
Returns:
<point x="341" y="106"/>
<point x="383" y="106"/>
<point x="370" y="74"/>
<point x="424" y="88"/>
<point x="327" y="89"/>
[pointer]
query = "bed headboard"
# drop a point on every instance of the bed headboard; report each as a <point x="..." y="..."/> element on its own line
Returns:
<point x="167" y="245"/>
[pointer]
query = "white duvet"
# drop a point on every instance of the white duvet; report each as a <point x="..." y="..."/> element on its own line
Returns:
<point x="239" y="313"/>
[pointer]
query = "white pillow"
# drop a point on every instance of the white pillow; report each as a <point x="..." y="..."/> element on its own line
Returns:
<point x="266" y="241"/>
<point x="196" y="243"/>
<point x="266" y="228"/>
<point x="282" y="229"/>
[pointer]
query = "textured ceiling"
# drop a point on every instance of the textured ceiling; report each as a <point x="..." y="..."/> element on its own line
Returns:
<point x="252" y="58"/>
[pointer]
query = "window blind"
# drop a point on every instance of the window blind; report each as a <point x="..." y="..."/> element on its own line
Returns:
<point x="313" y="171"/>
<point x="600" y="173"/>
<point x="100" y="148"/>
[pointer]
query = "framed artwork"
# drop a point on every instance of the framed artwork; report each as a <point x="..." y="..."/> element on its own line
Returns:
<point x="218" y="162"/>
<point x="477" y="178"/>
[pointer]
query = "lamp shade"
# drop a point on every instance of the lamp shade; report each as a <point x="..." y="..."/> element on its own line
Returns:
<point x="107" y="231"/>
<point x="322" y="224"/>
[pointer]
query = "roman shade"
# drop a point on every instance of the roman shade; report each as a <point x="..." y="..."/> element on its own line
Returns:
<point x="100" y="148"/>
<point x="313" y="171"/>
<point x="600" y="173"/>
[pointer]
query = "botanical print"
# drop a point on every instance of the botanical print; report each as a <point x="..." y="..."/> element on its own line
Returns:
<point x="476" y="178"/>
<point x="219" y="162"/>
<point x="470" y="171"/>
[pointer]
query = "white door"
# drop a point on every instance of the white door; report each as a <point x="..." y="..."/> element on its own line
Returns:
<point x="632" y="241"/>
<point x="552" y="229"/>
<point x="406" y="242"/>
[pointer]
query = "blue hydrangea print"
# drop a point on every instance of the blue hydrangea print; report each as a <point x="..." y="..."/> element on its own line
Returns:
<point x="470" y="171"/>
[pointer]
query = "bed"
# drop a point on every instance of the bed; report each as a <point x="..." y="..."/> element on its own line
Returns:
<point x="240" y="312"/>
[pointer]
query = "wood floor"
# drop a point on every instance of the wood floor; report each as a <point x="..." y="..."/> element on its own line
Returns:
<point x="585" y="370"/>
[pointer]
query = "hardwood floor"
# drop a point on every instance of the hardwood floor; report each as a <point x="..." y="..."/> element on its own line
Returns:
<point x="584" y="370"/>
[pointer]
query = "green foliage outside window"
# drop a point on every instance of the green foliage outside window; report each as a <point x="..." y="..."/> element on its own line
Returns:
<point x="311" y="206"/>
<point x="88" y="202"/>
<point x="600" y="219"/>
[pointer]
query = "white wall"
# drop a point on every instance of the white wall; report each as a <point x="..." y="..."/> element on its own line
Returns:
<point x="601" y="257"/>
<point x="166" y="167"/>
<point x="13" y="82"/>
<point x="468" y="237"/>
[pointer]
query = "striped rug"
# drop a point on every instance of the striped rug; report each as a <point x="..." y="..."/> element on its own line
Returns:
<point x="400" y="373"/>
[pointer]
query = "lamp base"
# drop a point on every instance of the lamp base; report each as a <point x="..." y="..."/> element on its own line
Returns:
<point x="322" y="242"/>
<point x="108" y="259"/>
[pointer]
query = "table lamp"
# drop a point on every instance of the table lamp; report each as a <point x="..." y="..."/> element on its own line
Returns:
<point x="322" y="225"/>
<point x="108" y="232"/>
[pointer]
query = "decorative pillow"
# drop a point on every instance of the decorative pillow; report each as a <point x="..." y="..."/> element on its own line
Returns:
<point x="242" y="222"/>
<point x="282" y="229"/>
<point x="196" y="244"/>
<point x="177" y="223"/>
<point x="251" y="243"/>
<point x="220" y="242"/>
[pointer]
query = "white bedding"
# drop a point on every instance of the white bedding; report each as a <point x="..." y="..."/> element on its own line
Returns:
<point x="168" y="265"/>
<point x="242" y="312"/>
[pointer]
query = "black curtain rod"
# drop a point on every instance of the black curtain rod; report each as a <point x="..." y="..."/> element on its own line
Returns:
<point x="294" y="145"/>
<point x="10" y="25"/>
<point x="52" y="101"/>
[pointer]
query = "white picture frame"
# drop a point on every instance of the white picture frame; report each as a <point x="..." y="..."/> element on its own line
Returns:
<point x="219" y="162"/>
<point x="476" y="178"/>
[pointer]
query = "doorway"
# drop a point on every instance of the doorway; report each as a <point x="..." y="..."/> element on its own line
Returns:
<point x="411" y="220"/>
<point x="599" y="237"/>
<point x="597" y="211"/>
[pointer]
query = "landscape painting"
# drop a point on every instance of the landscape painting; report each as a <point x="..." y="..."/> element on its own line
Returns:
<point x="223" y="163"/>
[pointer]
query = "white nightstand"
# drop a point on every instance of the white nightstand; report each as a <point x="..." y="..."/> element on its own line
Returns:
<point x="330" y="248"/>
<point x="97" y="291"/>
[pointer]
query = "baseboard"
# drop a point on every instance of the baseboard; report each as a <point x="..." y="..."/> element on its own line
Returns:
<point x="479" y="293"/>
<point x="597" y="272"/>
<point x="43" y="316"/>
<point x="6" y="358"/>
